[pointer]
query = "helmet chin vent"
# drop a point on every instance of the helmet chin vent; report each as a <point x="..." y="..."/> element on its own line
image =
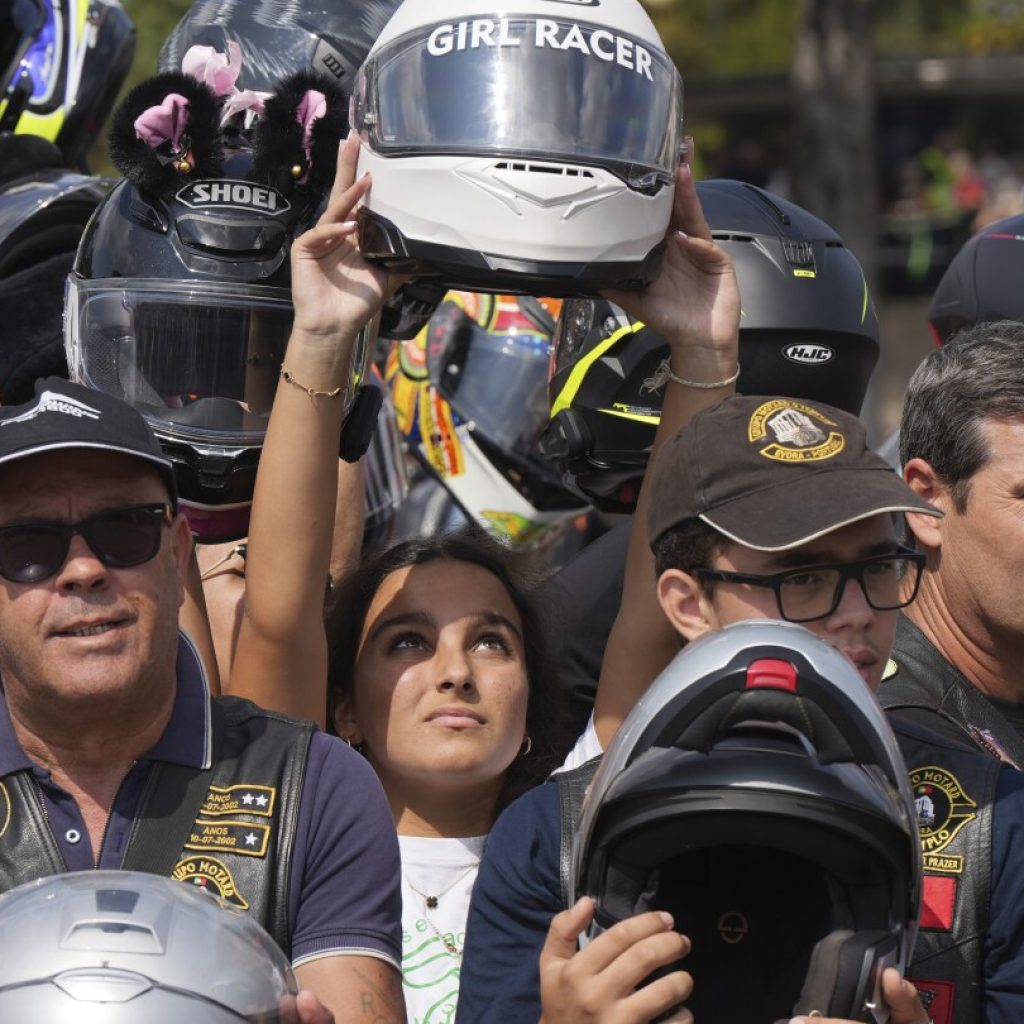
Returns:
<point x="530" y="168"/>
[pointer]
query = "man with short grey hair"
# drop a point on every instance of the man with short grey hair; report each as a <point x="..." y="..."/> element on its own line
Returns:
<point x="114" y="755"/>
<point x="959" y="647"/>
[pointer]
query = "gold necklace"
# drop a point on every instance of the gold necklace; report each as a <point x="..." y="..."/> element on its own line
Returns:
<point x="431" y="901"/>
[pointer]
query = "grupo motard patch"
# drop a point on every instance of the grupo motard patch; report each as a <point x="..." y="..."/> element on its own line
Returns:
<point x="943" y="809"/>
<point x="795" y="432"/>
<point x="543" y="33"/>
<point x="210" y="875"/>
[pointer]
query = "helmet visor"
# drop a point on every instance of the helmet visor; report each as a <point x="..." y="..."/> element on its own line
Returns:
<point x="201" y="363"/>
<point x="495" y="381"/>
<point x="526" y="86"/>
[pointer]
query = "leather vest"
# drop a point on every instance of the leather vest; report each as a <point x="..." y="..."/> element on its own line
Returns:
<point x="920" y="682"/>
<point x="235" y="837"/>
<point x="954" y="791"/>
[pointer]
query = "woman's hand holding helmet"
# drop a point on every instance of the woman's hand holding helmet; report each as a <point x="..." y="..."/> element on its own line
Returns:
<point x="694" y="302"/>
<point x="336" y="292"/>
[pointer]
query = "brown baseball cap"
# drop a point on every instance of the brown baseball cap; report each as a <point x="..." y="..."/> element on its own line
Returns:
<point x="773" y="473"/>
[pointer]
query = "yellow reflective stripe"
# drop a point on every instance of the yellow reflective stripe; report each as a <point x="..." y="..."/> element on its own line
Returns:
<point x="867" y="298"/>
<point x="46" y="126"/>
<point x="653" y="420"/>
<point x="579" y="371"/>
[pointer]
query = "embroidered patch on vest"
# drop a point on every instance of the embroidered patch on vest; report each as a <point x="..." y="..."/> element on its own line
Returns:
<point x="943" y="808"/>
<point x="245" y="837"/>
<point x="5" y="809"/>
<point x="891" y="669"/>
<point x="241" y="799"/>
<point x="938" y="903"/>
<point x="937" y="999"/>
<point x="211" y="875"/>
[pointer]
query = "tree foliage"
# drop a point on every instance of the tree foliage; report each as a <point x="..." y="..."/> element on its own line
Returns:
<point x="744" y="37"/>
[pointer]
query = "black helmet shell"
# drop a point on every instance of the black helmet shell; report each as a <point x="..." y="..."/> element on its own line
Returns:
<point x="808" y="329"/>
<point x="278" y="39"/>
<point x="983" y="281"/>
<point x="757" y="792"/>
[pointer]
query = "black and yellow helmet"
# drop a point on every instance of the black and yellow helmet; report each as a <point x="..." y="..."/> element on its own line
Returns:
<point x="808" y="329"/>
<point x="62" y="63"/>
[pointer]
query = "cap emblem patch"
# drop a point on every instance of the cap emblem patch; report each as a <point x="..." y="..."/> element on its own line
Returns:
<point x="794" y="432"/>
<point x="50" y="401"/>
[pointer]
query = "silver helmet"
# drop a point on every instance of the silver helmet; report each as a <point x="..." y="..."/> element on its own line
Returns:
<point x="122" y="947"/>
<point x="757" y="793"/>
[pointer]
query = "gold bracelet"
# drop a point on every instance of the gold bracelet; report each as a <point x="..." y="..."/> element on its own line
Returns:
<point x="289" y="379"/>
<point x="664" y="373"/>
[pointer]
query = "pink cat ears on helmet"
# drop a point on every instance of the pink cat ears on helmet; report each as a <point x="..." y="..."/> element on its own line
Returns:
<point x="182" y="125"/>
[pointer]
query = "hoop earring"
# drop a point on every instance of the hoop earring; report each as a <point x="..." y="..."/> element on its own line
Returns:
<point x="526" y="747"/>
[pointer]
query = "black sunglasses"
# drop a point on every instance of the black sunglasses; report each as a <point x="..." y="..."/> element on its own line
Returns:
<point x="118" y="537"/>
<point x="814" y="592"/>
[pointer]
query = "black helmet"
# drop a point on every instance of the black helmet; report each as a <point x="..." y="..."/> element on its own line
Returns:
<point x="983" y="281"/>
<point x="808" y="329"/>
<point x="61" y="67"/>
<point x="331" y="37"/>
<point x="757" y="793"/>
<point x="121" y="947"/>
<point x="45" y="213"/>
<point x="179" y="301"/>
<point x="277" y="39"/>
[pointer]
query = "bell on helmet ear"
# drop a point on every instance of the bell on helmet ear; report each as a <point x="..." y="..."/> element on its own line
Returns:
<point x="808" y="330"/>
<point x="757" y="793"/>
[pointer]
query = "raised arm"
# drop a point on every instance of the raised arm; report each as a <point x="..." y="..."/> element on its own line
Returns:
<point x="281" y="660"/>
<point x="693" y="304"/>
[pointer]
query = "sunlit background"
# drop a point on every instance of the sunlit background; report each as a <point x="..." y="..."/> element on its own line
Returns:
<point x="897" y="122"/>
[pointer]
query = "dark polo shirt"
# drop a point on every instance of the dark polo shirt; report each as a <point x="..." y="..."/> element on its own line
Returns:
<point x="345" y="894"/>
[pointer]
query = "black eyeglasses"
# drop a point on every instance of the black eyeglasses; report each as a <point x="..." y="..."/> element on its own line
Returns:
<point x="803" y="595"/>
<point x="118" y="537"/>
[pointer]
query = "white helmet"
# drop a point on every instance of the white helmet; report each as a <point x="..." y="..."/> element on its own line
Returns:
<point x="122" y="947"/>
<point x="527" y="146"/>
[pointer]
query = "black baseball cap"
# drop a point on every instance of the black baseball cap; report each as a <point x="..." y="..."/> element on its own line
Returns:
<point x="773" y="473"/>
<point x="64" y="415"/>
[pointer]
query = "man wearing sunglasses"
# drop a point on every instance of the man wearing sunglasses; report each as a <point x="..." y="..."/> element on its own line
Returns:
<point x="112" y="752"/>
<point x="759" y="508"/>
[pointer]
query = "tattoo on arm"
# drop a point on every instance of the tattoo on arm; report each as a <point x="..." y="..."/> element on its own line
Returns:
<point x="377" y="1005"/>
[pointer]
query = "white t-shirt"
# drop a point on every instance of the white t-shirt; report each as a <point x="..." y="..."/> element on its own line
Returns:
<point x="446" y="870"/>
<point x="587" y="746"/>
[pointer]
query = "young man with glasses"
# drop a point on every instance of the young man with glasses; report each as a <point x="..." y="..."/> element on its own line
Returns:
<point x="759" y="508"/>
<point x="113" y="753"/>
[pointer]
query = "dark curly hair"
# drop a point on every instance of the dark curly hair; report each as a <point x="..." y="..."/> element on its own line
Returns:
<point x="545" y="715"/>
